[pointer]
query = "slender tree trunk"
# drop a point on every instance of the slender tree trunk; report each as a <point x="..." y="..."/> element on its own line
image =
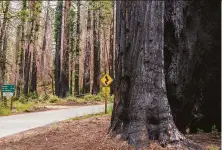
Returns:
<point x="33" y="85"/>
<point x="86" y="79"/>
<point x="96" y="52"/>
<point x="58" y="37"/>
<point x="44" y="44"/>
<point x="142" y="111"/>
<point x="18" y="38"/>
<point x="72" y="40"/>
<point x="21" y="59"/>
<point x="2" y="52"/>
<point x="111" y="50"/>
<point x="28" y="52"/>
<point x="65" y="61"/>
<point x="76" y="89"/>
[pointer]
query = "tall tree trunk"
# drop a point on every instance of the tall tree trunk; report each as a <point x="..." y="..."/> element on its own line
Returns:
<point x="21" y="57"/>
<point x="86" y="78"/>
<point x="96" y="52"/>
<point x="18" y="38"/>
<point x="143" y="112"/>
<point x="28" y="52"/>
<point x="71" y="50"/>
<point x="111" y="50"/>
<point x="76" y="88"/>
<point x="58" y="36"/>
<point x="44" y="44"/>
<point x="37" y="10"/>
<point x="65" y="61"/>
<point x="2" y="52"/>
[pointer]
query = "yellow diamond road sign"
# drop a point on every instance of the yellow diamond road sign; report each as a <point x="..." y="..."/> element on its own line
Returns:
<point x="106" y="80"/>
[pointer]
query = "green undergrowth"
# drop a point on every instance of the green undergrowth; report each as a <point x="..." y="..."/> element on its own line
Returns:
<point x="27" y="103"/>
<point x="5" y="111"/>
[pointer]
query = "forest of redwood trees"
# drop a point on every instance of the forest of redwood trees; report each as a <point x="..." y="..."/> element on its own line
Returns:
<point x="57" y="47"/>
<point x="164" y="57"/>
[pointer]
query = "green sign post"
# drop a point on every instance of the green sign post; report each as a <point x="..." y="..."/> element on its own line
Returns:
<point x="8" y="91"/>
<point x="8" y="88"/>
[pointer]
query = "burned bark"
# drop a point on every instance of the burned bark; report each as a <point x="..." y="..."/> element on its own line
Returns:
<point x="192" y="63"/>
<point x="141" y="111"/>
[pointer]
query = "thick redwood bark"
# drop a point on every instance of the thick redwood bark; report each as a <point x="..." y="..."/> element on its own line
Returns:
<point x="141" y="111"/>
<point x="86" y="78"/>
<point x="192" y="63"/>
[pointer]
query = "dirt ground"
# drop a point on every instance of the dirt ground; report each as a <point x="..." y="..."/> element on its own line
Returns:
<point x="85" y="134"/>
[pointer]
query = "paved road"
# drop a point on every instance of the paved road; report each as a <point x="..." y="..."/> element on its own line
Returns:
<point x="17" y="123"/>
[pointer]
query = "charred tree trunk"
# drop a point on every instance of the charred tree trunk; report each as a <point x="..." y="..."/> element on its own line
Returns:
<point x="192" y="64"/>
<point x="58" y="36"/>
<point x="96" y="52"/>
<point x="143" y="111"/>
<point x="76" y="87"/>
<point x="65" y="61"/>
<point x="86" y="79"/>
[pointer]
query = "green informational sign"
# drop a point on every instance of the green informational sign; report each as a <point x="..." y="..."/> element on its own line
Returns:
<point x="8" y="88"/>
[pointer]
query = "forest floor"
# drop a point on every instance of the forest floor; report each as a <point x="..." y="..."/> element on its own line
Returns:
<point x="83" y="134"/>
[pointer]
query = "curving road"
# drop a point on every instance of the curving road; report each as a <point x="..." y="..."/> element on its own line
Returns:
<point x="18" y="123"/>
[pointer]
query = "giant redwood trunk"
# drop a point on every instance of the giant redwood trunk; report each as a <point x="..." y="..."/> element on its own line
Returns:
<point x="141" y="110"/>
<point x="192" y="63"/>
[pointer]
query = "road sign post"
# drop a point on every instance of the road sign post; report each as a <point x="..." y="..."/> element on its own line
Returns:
<point x="8" y="91"/>
<point x="106" y="92"/>
<point x="106" y="80"/>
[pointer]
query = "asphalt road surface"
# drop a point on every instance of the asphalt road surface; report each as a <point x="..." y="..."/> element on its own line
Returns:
<point x="18" y="123"/>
